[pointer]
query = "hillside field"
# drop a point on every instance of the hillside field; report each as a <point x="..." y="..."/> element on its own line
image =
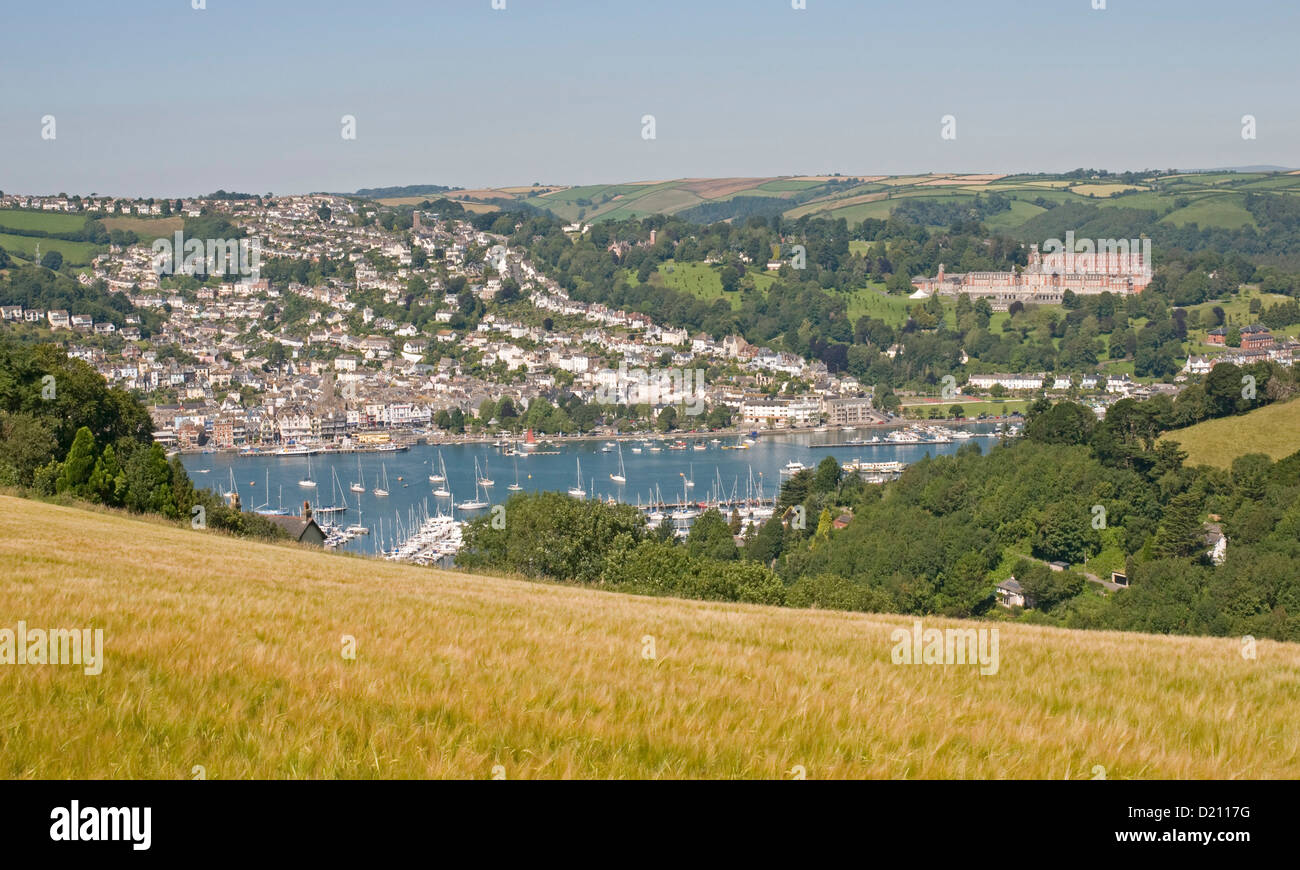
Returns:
<point x="1273" y="430"/>
<point x="229" y="655"/>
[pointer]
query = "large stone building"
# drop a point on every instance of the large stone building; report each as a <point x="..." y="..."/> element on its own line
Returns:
<point x="1122" y="267"/>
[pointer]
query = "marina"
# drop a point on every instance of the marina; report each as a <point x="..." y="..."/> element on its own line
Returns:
<point x="436" y="488"/>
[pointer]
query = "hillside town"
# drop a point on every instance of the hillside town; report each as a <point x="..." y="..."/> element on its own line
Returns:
<point x="412" y="326"/>
<point x="228" y="367"/>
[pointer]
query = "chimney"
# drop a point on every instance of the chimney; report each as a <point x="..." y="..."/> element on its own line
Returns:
<point x="306" y="510"/>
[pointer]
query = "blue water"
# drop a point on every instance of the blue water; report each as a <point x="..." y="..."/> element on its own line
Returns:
<point x="666" y="469"/>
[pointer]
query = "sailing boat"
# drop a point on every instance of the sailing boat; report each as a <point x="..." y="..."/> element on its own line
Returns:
<point x="356" y="528"/>
<point x="441" y="491"/>
<point x="336" y="492"/>
<point x="515" y="487"/>
<point x="485" y="480"/>
<point x="382" y="491"/>
<point x="359" y="485"/>
<point x="621" y="477"/>
<point x="265" y="508"/>
<point x="577" y="491"/>
<point x="307" y="481"/>
<point x="690" y="481"/>
<point x="476" y="503"/>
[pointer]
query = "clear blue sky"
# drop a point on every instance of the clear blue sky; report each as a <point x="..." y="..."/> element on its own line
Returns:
<point x="154" y="98"/>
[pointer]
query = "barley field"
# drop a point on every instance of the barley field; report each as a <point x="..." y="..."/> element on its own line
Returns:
<point x="225" y="659"/>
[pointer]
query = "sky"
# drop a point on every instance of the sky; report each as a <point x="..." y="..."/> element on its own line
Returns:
<point x="155" y="98"/>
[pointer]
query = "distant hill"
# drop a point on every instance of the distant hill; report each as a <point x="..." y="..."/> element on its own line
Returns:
<point x="1210" y="200"/>
<point x="407" y="190"/>
<point x="230" y="654"/>
<point x="1257" y="168"/>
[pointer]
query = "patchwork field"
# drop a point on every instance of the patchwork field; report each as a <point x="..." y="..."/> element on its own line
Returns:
<point x="230" y="655"/>
<point x="1207" y="199"/>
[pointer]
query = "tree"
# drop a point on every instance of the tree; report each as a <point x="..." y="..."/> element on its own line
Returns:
<point x="1066" y="533"/>
<point x="107" y="482"/>
<point x="828" y="476"/>
<point x="711" y="538"/>
<point x="730" y="279"/>
<point x="79" y="465"/>
<point x="1046" y="587"/>
<point x="26" y="444"/>
<point x="1223" y="390"/>
<point x="52" y="260"/>
<point x="1179" y="533"/>
<point x="1062" y="423"/>
<point x="766" y="546"/>
<point x="824" y="526"/>
<point x="149" y="482"/>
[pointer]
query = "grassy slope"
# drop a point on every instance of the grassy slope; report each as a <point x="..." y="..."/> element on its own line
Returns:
<point x="1273" y="430"/>
<point x="226" y="654"/>
<point x="75" y="253"/>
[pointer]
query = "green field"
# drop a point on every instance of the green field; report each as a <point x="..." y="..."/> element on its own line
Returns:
<point x="234" y="656"/>
<point x="704" y="280"/>
<point x="49" y="222"/>
<point x="1213" y="211"/>
<point x="871" y="302"/>
<point x="74" y="253"/>
<point x="1273" y="430"/>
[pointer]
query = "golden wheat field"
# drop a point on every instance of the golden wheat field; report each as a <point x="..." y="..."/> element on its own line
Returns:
<point x="228" y="655"/>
